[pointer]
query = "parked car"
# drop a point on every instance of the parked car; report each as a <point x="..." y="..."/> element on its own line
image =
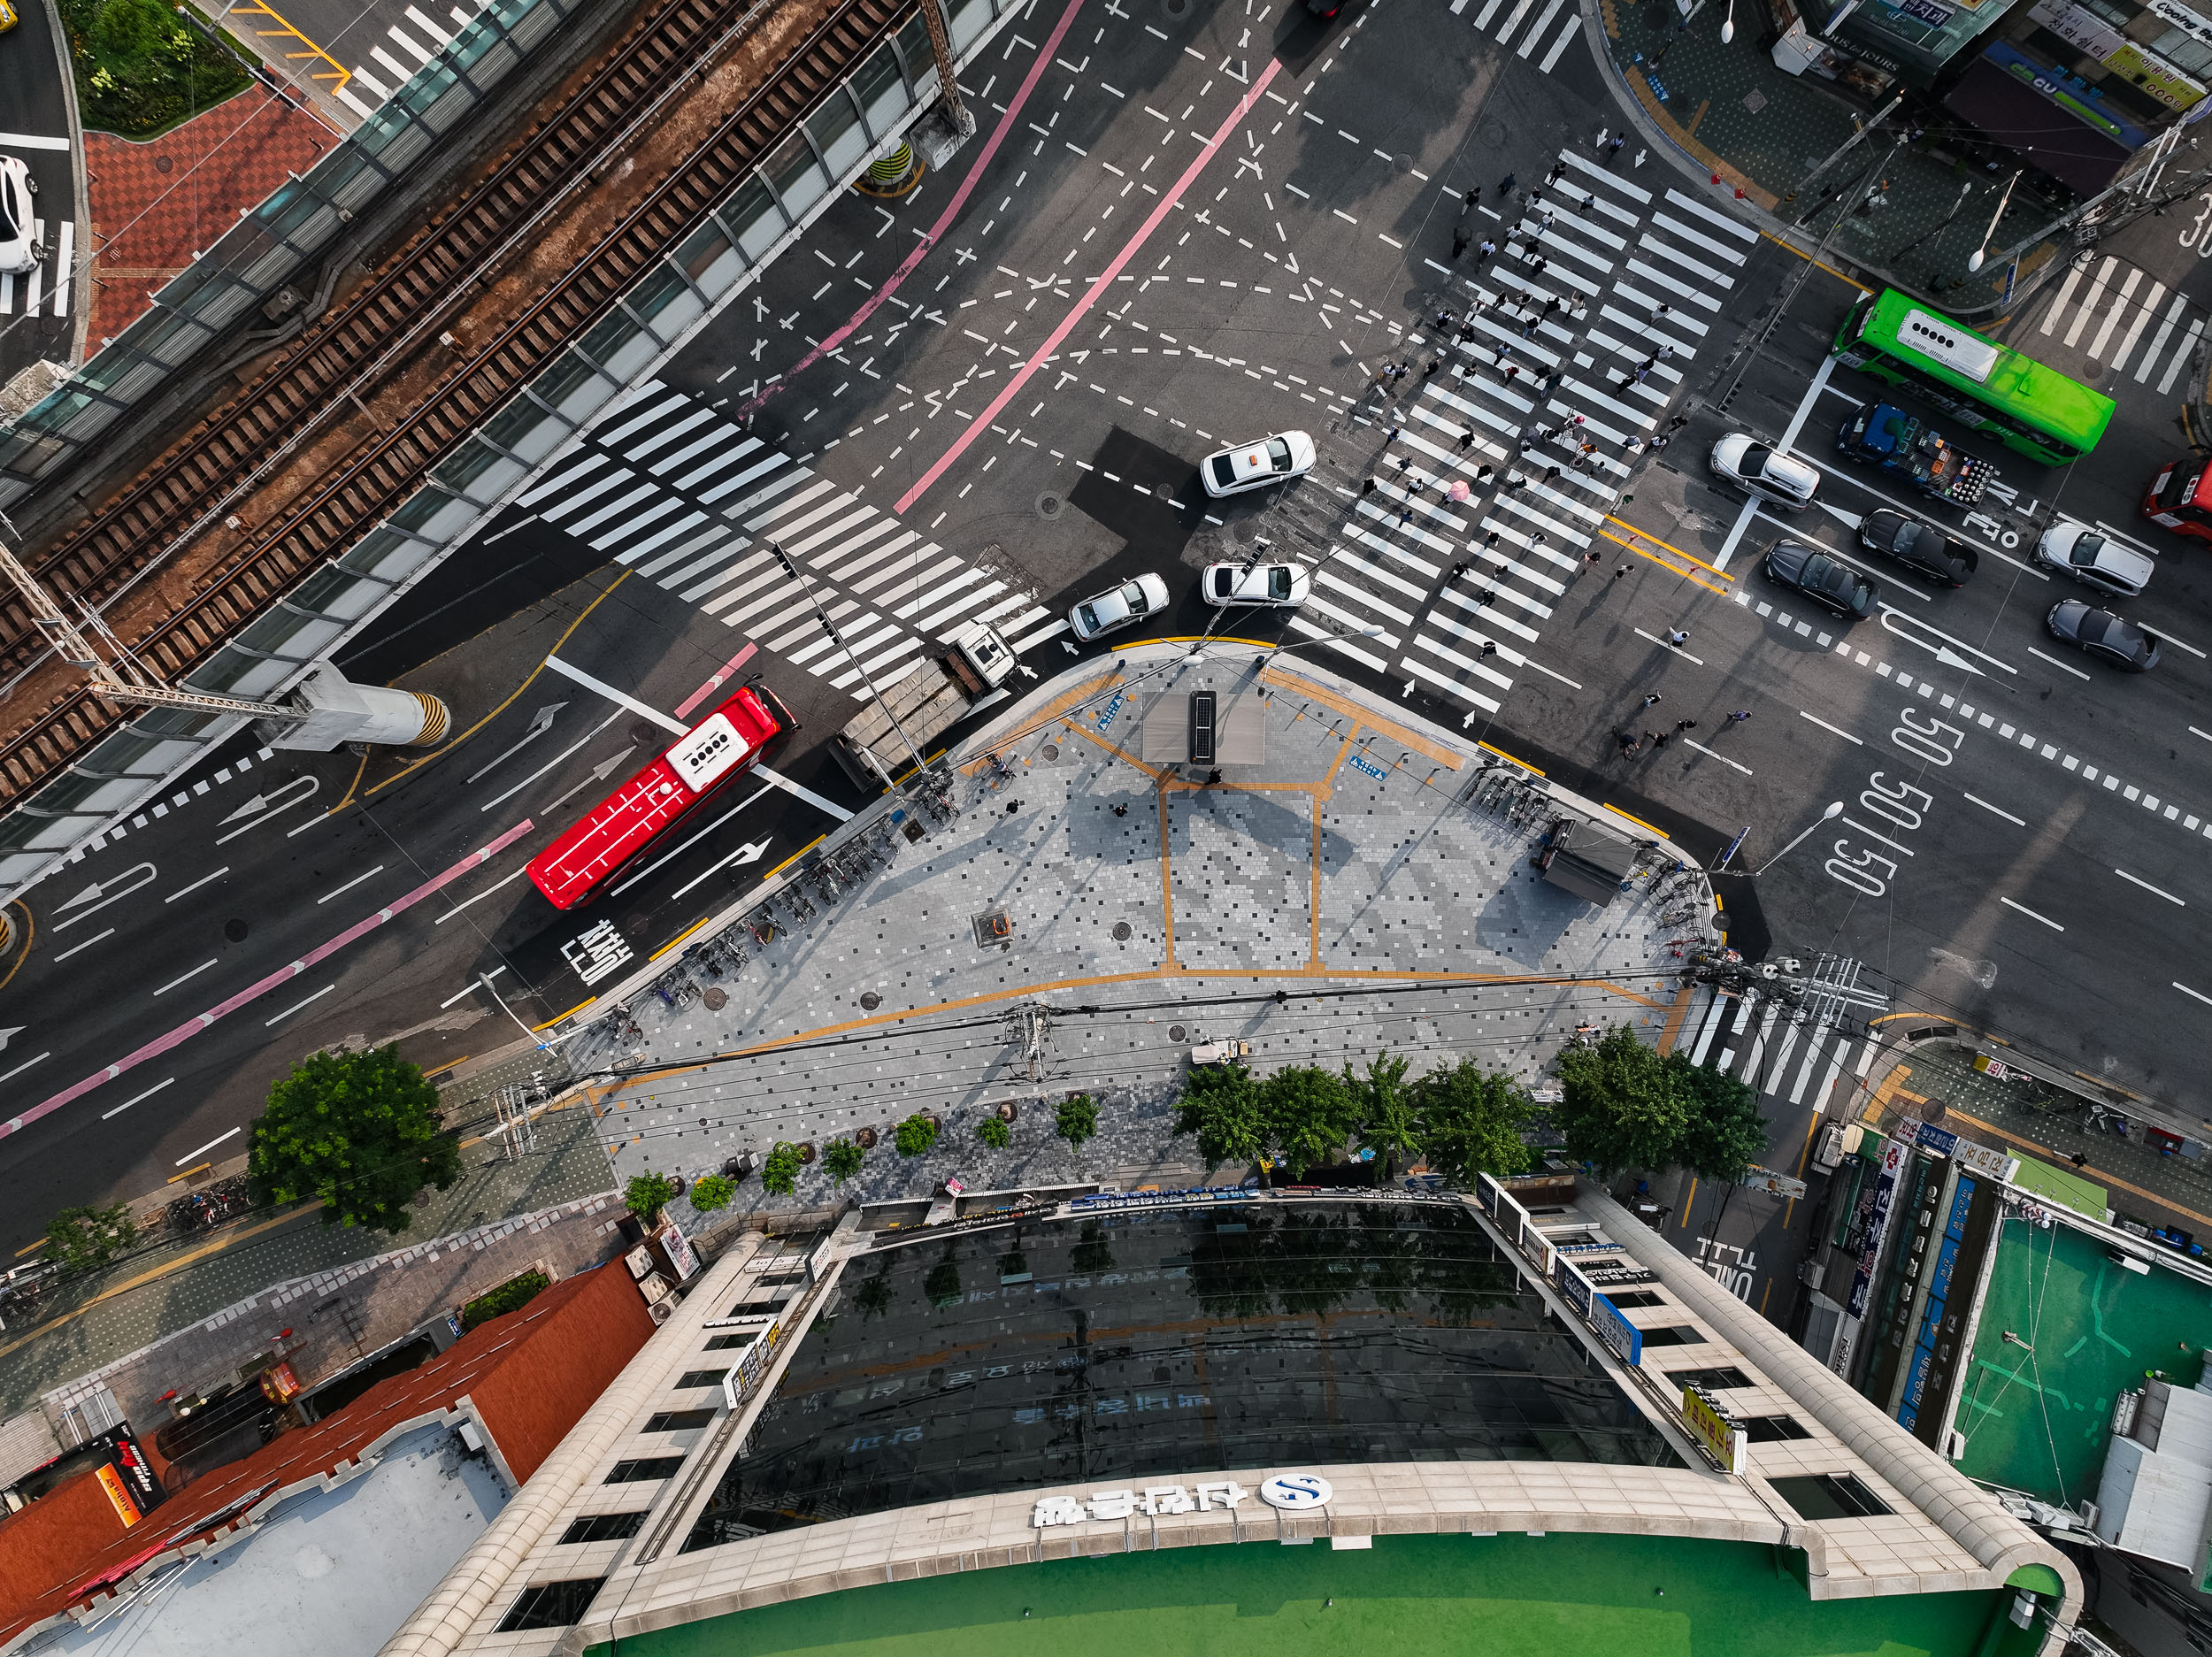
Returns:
<point x="1257" y="463"/>
<point x="1118" y="607"/>
<point x="1825" y="578"/>
<point x="19" y="250"/>
<point x="1781" y="480"/>
<point x="2103" y="634"/>
<point x="1921" y="548"/>
<point x="1278" y="585"/>
<point x="2094" y="559"/>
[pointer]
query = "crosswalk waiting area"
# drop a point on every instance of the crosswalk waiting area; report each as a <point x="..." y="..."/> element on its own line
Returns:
<point x="1563" y="349"/>
<point x="2105" y="305"/>
<point x="694" y="503"/>
<point x="1772" y="1047"/>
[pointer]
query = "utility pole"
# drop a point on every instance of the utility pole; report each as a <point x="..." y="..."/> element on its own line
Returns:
<point x="940" y="48"/>
<point x="791" y="569"/>
<point x="1031" y="1030"/>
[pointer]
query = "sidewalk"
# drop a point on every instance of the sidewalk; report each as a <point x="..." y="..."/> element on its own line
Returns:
<point x="1332" y="900"/>
<point x="195" y="1293"/>
<point x="1764" y="132"/>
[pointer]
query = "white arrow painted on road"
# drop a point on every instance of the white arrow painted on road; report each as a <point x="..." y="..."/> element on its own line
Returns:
<point x="1949" y="652"/>
<point x="100" y="893"/>
<point x="6" y="1035"/>
<point x="262" y="802"/>
<point x="748" y="854"/>
<point x="540" y="724"/>
<point x="598" y="773"/>
<point x="261" y="808"/>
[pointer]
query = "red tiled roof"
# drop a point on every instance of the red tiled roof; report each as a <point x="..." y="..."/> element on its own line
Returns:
<point x="531" y="1375"/>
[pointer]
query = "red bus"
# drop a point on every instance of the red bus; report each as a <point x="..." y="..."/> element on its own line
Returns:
<point x="2180" y="497"/>
<point x="725" y="743"/>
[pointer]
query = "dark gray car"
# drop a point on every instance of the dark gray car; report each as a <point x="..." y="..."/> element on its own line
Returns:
<point x="2102" y="635"/>
<point x="1921" y="548"/>
<point x="1825" y="578"/>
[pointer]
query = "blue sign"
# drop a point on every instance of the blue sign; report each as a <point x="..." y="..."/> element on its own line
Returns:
<point x="1962" y="1200"/>
<point x="1626" y="1341"/>
<point x="1946" y="1262"/>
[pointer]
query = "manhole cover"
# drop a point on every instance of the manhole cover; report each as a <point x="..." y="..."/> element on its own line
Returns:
<point x="235" y="931"/>
<point x="1934" y="1110"/>
<point x="1161" y="492"/>
<point x="642" y="732"/>
<point x="716" y="998"/>
<point x="1755" y="100"/>
<point x="993" y="927"/>
<point x="869" y="1000"/>
<point x="1175" y="1032"/>
<point x="1403" y="164"/>
<point x="1121" y="932"/>
<point x="913" y="832"/>
<point x="1493" y="134"/>
<point x="1052" y="750"/>
<point x="162" y="163"/>
<point x="1051" y="505"/>
<point x="1176" y="8"/>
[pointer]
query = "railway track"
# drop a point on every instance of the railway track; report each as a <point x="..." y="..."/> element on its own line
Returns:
<point x="383" y="330"/>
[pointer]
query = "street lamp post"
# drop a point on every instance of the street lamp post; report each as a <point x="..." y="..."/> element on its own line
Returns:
<point x="1834" y="811"/>
<point x="1728" y="24"/>
<point x="1980" y="255"/>
<point x="791" y="569"/>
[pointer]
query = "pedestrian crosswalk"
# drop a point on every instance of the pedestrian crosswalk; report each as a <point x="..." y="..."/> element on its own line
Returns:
<point x="45" y="287"/>
<point x="1525" y="28"/>
<point x="1491" y="494"/>
<point x="702" y="508"/>
<point x="398" y="55"/>
<point x="1789" y="1053"/>
<point x="2120" y="318"/>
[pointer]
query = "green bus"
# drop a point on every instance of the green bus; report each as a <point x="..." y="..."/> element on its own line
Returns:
<point x="1977" y="382"/>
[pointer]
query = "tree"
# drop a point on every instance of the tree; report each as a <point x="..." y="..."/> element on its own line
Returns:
<point x="1622" y="1107"/>
<point x="780" y="1171"/>
<point x="1307" y="1114"/>
<point x="917" y="1135"/>
<point x="1075" y="1120"/>
<point x="647" y="1194"/>
<point x="1470" y="1121"/>
<point x="996" y="1135"/>
<point x="78" y="1239"/>
<point x="1726" y="1134"/>
<point x="942" y="1285"/>
<point x="1221" y="1106"/>
<point x="1388" y="1123"/>
<point x="842" y="1158"/>
<point x="359" y="1130"/>
<point x="710" y="1192"/>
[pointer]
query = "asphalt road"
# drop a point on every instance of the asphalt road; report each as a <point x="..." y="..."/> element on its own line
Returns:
<point x="1168" y="236"/>
<point x="36" y="315"/>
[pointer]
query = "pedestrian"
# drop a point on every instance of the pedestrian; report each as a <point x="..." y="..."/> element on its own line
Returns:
<point x="1660" y="311"/>
<point x="1512" y="374"/>
<point x="1677" y="637"/>
<point x="1630" y="746"/>
<point x="1589" y="203"/>
<point x="1620" y="381"/>
<point x="1579" y="419"/>
<point x="1541" y="266"/>
<point x="1396" y="432"/>
<point x="1678" y="422"/>
<point x="1443" y="321"/>
<point x="1551" y="474"/>
<point x="1635" y="445"/>
<point x="1434" y="363"/>
<point x="1121" y="810"/>
<point x="1613" y="147"/>
<point x="1658" y="738"/>
<point x="1486" y="596"/>
<point x="1586" y="448"/>
<point x="1552" y="177"/>
<point x="1590" y="558"/>
<point x="1467" y="438"/>
<point x="1651" y="698"/>
<point x="2078" y="1160"/>
<point x="1368" y="485"/>
<point x="1663" y="352"/>
<point x="1686" y="724"/>
<point x="1621" y="572"/>
<point x="1643" y="373"/>
<point x="1488" y="649"/>
<point x="1458" y="569"/>
<point x="1505" y="185"/>
<point x="1483" y="474"/>
<point x="1468" y="200"/>
<point x="1662" y="441"/>
<point x="1405" y="517"/>
<point x="1483" y="252"/>
<point x="1739" y="715"/>
<point x="1213" y="779"/>
<point x="1513" y="481"/>
<point x="1490" y="541"/>
<point x="1404" y="462"/>
<point x="1460" y="238"/>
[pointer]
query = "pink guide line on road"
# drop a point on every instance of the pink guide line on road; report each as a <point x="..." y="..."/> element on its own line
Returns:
<point x="684" y="708"/>
<point x="192" y="1027"/>
<point x="1151" y="223"/>
<point x="922" y="249"/>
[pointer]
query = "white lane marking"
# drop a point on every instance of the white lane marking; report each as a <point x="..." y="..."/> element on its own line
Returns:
<point x="550" y="764"/>
<point x="2135" y="881"/>
<point x="141" y="1099"/>
<point x="1891" y="615"/>
<point x="194" y="973"/>
<point x="2182" y="353"/>
<point x="1723" y="758"/>
<point x="26" y="1065"/>
<point x="2058" y="305"/>
<point x="1566" y="36"/>
<point x="2063" y="667"/>
<point x="1672" y="649"/>
<point x="480" y="896"/>
<point x="1824" y="725"/>
<point x="109" y="891"/>
<point x="2031" y="914"/>
<point x="349" y="884"/>
<point x="88" y="944"/>
<point x="209" y="1146"/>
<point x="313" y="787"/>
<point x="196" y="885"/>
<point x="2207" y="735"/>
<point x="473" y="984"/>
<point x="2158" y="340"/>
<point x="616" y="697"/>
<point x="2178" y="984"/>
<point x="295" y="1006"/>
<point x="1996" y="811"/>
<point x="32" y="140"/>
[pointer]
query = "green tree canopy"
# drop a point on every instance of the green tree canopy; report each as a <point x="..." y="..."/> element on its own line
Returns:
<point x="996" y="1135"/>
<point x="842" y="1158"/>
<point x="917" y="1135"/>
<point x="1389" y="1124"/>
<point x="1221" y="1106"/>
<point x="1307" y="1114"/>
<point x="1724" y="1133"/>
<point x="1470" y="1121"/>
<point x="359" y="1130"/>
<point x="1075" y="1120"/>
<point x="710" y="1192"/>
<point x="647" y="1194"/>
<point x="78" y="1239"/>
<point x="779" y="1171"/>
<point x="1623" y="1108"/>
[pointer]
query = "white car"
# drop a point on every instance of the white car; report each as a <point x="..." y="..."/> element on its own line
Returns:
<point x="1118" y="607"/>
<point x="18" y="221"/>
<point x="1278" y="585"/>
<point x="1252" y="465"/>
<point x="1781" y="480"/>
<point x="2092" y="559"/>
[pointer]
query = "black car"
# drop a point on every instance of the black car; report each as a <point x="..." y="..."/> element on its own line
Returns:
<point x="1826" y="579"/>
<point x="2103" y="634"/>
<point x="1921" y="548"/>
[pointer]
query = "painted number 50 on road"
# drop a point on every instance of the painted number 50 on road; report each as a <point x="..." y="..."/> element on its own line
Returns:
<point x="1902" y="805"/>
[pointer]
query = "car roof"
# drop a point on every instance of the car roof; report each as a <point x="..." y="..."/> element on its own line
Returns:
<point x="1789" y="470"/>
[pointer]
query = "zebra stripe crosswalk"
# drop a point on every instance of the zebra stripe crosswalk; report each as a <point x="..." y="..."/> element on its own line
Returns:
<point x="1538" y="36"/>
<point x="2119" y="318"/>
<point x="1783" y="1052"/>
<point x="699" y="507"/>
<point x="1579" y="334"/>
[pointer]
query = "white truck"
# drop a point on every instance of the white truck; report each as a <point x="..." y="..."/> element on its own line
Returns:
<point x="924" y="703"/>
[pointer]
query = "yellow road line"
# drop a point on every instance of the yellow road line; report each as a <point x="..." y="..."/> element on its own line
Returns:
<point x="1652" y="557"/>
<point x="1808" y="259"/>
<point x="2044" y="1153"/>
<point x="1677" y="551"/>
<point x="1286" y="681"/>
<point x="338" y="71"/>
<point x="677" y="939"/>
<point x="30" y="934"/>
<point x="1531" y="770"/>
<point x="1638" y="821"/>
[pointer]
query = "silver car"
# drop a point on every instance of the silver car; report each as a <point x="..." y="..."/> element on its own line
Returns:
<point x="1759" y="469"/>
<point x="20" y="249"/>
<point x="1118" y="607"/>
<point x="2094" y="559"/>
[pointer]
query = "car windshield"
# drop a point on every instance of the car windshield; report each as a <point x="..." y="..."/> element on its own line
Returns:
<point x="1279" y="582"/>
<point x="1908" y="541"/>
<point x="1754" y="460"/>
<point x="1089" y="617"/>
<point x="1224" y="469"/>
<point x="2085" y="550"/>
<point x="1225" y="581"/>
<point x="2093" y="625"/>
<point x="1133" y="596"/>
<point x="11" y="216"/>
<point x="1836" y="579"/>
<point x="1279" y="454"/>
